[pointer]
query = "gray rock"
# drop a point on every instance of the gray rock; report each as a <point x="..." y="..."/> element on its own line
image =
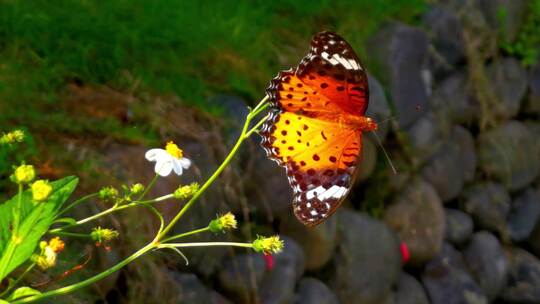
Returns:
<point x="534" y="240"/>
<point x="488" y="204"/>
<point x="313" y="291"/>
<point x="447" y="281"/>
<point x="506" y="16"/>
<point x="278" y="284"/>
<point x="534" y="126"/>
<point x="509" y="80"/>
<point x="452" y="97"/>
<point x="377" y="259"/>
<point x="459" y="226"/>
<point x="235" y="111"/>
<point x="444" y="171"/>
<point x="467" y="151"/>
<point x="401" y="53"/>
<point x="524" y="278"/>
<point x="487" y="262"/>
<point x="190" y="290"/>
<point x="318" y="243"/>
<point x="524" y="215"/>
<point x="509" y="153"/>
<point x="427" y="135"/>
<point x="378" y="108"/>
<point x="445" y="33"/>
<point x="267" y="188"/>
<point x="369" y="158"/>
<point x="418" y="217"/>
<point x="532" y="105"/>
<point x="409" y="291"/>
<point x="240" y="275"/>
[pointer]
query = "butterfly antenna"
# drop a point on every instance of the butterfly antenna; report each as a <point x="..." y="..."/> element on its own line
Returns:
<point x="385" y="153"/>
<point x="389" y="118"/>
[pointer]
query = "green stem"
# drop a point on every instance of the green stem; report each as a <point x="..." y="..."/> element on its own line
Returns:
<point x="75" y="203"/>
<point x="258" y="110"/>
<point x="262" y="103"/>
<point x="114" y="208"/>
<point x="71" y="234"/>
<point x="206" y="244"/>
<point x="89" y="219"/>
<point x="255" y="128"/>
<point x="89" y="281"/>
<point x="150" y="185"/>
<point x="181" y="235"/>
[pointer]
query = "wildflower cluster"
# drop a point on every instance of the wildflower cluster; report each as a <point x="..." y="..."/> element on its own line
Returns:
<point x="9" y="138"/>
<point x="49" y="250"/>
<point x="167" y="160"/>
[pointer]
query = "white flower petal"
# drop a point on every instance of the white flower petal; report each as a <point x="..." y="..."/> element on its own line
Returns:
<point x="154" y="154"/>
<point x="185" y="162"/>
<point x="177" y="166"/>
<point x="163" y="168"/>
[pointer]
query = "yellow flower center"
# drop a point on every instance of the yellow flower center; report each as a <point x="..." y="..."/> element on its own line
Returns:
<point x="41" y="190"/>
<point x="173" y="150"/>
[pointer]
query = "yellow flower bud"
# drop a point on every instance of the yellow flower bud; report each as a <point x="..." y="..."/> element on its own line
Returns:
<point x="99" y="234"/>
<point x="108" y="193"/>
<point x="223" y="223"/>
<point x="12" y="137"/>
<point x="185" y="192"/>
<point x="137" y="188"/>
<point x="24" y="174"/>
<point x="268" y="245"/>
<point x="41" y="190"/>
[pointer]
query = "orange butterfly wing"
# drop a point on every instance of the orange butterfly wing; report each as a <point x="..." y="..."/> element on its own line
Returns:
<point x="315" y="125"/>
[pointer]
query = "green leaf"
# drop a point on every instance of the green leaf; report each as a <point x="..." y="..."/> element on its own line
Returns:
<point x="22" y="292"/>
<point x="65" y="220"/>
<point x="36" y="219"/>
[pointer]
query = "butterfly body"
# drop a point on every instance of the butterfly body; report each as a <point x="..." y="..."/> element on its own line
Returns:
<point x="316" y="124"/>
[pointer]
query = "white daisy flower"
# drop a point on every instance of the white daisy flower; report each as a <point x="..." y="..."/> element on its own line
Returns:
<point x="168" y="160"/>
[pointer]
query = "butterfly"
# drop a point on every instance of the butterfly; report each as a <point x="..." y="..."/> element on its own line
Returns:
<point x="315" y="125"/>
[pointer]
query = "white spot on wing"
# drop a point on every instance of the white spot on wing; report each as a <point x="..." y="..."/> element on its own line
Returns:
<point x="343" y="61"/>
<point x="354" y="64"/>
<point x="334" y="192"/>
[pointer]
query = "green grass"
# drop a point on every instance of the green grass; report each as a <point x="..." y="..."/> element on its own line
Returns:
<point x="527" y="43"/>
<point x="189" y="48"/>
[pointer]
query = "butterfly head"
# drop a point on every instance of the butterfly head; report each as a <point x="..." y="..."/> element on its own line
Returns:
<point x="370" y="125"/>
